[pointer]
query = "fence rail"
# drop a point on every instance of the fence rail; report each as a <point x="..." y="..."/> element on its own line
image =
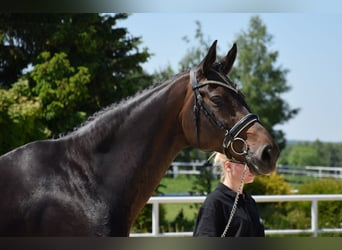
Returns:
<point x="193" y="168"/>
<point x="314" y="171"/>
<point x="314" y="199"/>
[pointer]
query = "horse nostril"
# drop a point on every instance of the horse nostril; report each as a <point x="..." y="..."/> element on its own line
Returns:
<point x="265" y="158"/>
<point x="266" y="154"/>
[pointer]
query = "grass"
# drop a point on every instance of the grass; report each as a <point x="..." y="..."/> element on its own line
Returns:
<point x="173" y="186"/>
<point x="173" y="210"/>
<point x="181" y="185"/>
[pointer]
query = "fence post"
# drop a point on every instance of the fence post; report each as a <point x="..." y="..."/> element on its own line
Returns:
<point x="155" y="218"/>
<point x="175" y="171"/>
<point x="314" y="217"/>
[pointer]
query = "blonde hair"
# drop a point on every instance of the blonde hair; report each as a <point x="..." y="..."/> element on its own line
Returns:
<point x="219" y="162"/>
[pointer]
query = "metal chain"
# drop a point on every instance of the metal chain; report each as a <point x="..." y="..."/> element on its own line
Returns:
<point x="232" y="212"/>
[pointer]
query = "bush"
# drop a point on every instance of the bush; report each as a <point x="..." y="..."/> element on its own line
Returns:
<point x="273" y="214"/>
<point x="179" y="224"/>
<point x="297" y="215"/>
<point x="330" y="212"/>
<point x="143" y="223"/>
<point x="268" y="184"/>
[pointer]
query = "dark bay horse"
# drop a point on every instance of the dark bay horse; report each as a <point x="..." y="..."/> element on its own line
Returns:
<point x="95" y="180"/>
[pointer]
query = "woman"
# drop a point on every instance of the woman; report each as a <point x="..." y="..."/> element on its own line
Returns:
<point x="215" y="212"/>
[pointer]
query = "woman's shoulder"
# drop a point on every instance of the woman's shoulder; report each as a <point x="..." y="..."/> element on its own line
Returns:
<point x="249" y="198"/>
<point x="225" y="190"/>
<point x="220" y="193"/>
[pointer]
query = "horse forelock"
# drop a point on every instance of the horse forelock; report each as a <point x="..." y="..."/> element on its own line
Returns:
<point x="218" y="69"/>
<point x="222" y="77"/>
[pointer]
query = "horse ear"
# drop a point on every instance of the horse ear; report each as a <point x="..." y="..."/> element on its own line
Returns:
<point x="229" y="59"/>
<point x="209" y="59"/>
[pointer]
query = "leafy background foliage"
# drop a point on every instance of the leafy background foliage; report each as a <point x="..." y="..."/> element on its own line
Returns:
<point x="57" y="69"/>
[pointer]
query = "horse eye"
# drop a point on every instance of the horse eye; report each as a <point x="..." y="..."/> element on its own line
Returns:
<point x="217" y="100"/>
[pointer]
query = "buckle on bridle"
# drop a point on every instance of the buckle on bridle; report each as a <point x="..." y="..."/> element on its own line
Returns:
<point x="231" y="137"/>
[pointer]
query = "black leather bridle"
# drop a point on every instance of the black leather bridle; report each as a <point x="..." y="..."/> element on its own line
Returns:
<point x="230" y="135"/>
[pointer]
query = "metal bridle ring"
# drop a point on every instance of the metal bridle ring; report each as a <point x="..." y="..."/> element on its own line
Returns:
<point x="244" y="148"/>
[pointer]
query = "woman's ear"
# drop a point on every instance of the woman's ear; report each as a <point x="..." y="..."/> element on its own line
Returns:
<point x="227" y="166"/>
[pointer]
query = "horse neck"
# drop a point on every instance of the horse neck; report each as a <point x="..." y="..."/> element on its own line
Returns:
<point x="149" y="115"/>
<point x="134" y="145"/>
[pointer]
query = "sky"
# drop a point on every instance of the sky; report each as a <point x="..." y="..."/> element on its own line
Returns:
<point x="309" y="44"/>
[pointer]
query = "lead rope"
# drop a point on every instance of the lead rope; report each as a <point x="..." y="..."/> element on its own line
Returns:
<point x="232" y="212"/>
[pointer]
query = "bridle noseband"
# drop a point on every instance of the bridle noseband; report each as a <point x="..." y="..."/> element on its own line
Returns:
<point x="230" y="135"/>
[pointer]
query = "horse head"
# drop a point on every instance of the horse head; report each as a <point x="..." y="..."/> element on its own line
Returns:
<point x="221" y="119"/>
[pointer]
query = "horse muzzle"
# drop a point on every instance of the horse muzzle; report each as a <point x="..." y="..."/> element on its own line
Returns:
<point x="263" y="160"/>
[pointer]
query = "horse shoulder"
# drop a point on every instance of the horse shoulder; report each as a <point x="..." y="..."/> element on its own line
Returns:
<point x="47" y="188"/>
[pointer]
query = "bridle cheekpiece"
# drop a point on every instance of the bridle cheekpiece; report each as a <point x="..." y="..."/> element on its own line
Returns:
<point x="230" y="135"/>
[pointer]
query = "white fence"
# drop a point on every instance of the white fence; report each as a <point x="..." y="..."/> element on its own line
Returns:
<point x="193" y="168"/>
<point x="314" y="199"/>
<point x="186" y="168"/>
<point x="314" y="171"/>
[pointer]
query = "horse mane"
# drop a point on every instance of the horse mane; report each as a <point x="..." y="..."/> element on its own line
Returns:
<point x="123" y="103"/>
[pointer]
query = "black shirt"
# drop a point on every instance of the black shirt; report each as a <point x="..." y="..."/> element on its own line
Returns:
<point x="215" y="211"/>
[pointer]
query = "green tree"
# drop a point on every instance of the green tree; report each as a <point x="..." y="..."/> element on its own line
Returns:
<point x="333" y="154"/>
<point x="197" y="52"/>
<point x="51" y="105"/>
<point x="304" y="155"/>
<point x="93" y="41"/>
<point x="61" y="89"/>
<point x="74" y="64"/>
<point x="163" y="74"/>
<point x="315" y="153"/>
<point x="20" y="117"/>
